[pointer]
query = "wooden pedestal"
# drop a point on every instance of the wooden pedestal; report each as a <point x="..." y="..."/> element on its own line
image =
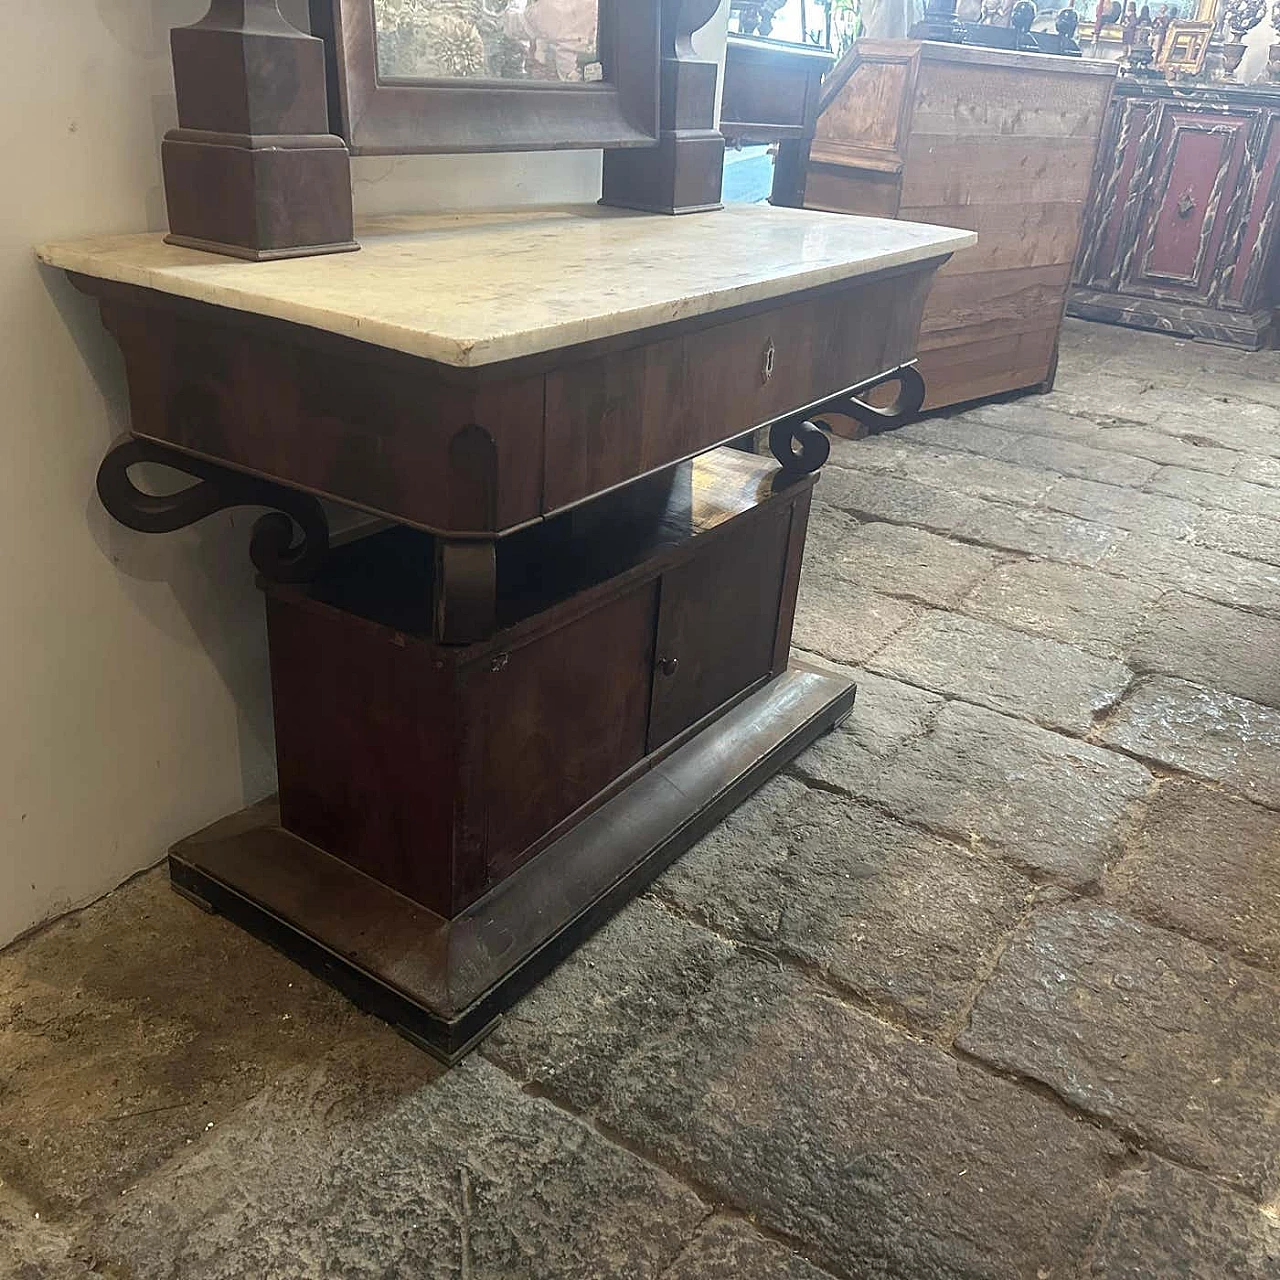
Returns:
<point x="453" y="819"/>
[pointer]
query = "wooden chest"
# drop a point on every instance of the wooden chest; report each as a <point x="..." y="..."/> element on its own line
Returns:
<point x="1181" y="232"/>
<point x="998" y="143"/>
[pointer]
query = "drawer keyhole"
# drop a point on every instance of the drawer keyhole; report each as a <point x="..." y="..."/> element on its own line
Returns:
<point x="770" y="359"/>
<point x="668" y="665"/>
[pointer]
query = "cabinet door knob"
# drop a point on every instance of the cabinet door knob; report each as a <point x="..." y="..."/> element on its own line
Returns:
<point x="1186" y="204"/>
<point x="668" y="665"/>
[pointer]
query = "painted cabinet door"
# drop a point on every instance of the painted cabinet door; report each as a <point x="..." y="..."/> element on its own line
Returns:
<point x="1198" y="167"/>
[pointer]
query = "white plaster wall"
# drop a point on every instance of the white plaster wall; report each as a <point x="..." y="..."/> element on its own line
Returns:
<point x="134" y="704"/>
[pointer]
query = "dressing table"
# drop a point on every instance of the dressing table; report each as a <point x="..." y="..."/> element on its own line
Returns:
<point x="557" y="651"/>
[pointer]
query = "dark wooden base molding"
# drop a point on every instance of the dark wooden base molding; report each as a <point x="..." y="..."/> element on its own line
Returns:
<point x="1252" y="330"/>
<point x="443" y="982"/>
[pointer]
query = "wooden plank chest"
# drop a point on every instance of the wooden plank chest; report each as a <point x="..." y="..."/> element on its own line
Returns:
<point x="998" y="143"/>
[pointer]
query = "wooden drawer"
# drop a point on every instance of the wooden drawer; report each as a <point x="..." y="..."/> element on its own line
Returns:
<point x="620" y="415"/>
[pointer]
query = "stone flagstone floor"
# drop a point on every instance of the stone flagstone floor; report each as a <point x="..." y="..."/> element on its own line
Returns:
<point x="987" y="985"/>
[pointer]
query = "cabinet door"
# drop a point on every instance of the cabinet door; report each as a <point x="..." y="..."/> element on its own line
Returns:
<point x="1197" y="168"/>
<point x="717" y="622"/>
<point x="565" y="716"/>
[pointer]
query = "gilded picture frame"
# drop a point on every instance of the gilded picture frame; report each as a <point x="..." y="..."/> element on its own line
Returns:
<point x="1186" y="44"/>
<point x="485" y="89"/>
<point x="1179" y="11"/>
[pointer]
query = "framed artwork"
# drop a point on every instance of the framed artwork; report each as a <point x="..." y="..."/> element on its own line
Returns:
<point x="1184" y="48"/>
<point x="415" y="76"/>
<point x="1172" y="10"/>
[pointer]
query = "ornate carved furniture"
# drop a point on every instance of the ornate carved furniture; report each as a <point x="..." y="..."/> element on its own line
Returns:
<point x="1181" y="232"/>
<point x="1000" y="143"/>
<point x="562" y="654"/>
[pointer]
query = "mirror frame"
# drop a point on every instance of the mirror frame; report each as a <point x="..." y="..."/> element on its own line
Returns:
<point x="398" y="117"/>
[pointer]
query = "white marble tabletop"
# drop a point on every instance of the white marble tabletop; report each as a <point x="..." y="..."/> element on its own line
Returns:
<point x="476" y="288"/>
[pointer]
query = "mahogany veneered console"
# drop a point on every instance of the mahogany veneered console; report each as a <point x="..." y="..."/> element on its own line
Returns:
<point x="557" y="652"/>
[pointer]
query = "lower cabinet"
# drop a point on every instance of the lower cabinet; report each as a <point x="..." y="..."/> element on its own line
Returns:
<point x="439" y="769"/>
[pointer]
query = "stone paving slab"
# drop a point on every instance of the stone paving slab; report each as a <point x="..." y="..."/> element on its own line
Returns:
<point x="834" y="616"/>
<point x="127" y="1027"/>
<point x="879" y="1155"/>
<point x="999" y="525"/>
<point x="1212" y="645"/>
<point x="898" y="560"/>
<point x="968" y="433"/>
<point x="1040" y="533"/>
<point x="1167" y="1221"/>
<point x="730" y="1249"/>
<point x="1021" y="675"/>
<point x="1208" y="864"/>
<point x="1155" y="1032"/>
<point x="1043" y="451"/>
<point x="1251" y="384"/>
<point x="1031" y="414"/>
<point x="1121" y="508"/>
<point x="877" y="495"/>
<point x="1225" y="492"/>
<point x="1069" y="458"/>
<point x="1155" y="446"/>
<point x="1093" y="611"/>
<point x="1104" y="393"/>
<point x="1257" y="470"/>
<point x="1181" y="566"/>
<point x="906" y="921"/>
<point x="1255" y="537"/>
<point x="962" y="473"/>
<point x="366" y="1166"/>
<point x="885" y="714"/>
<point x="1227" y="421"/>
<point x="1049" y="803"/>
<point x="1203" y="732"/>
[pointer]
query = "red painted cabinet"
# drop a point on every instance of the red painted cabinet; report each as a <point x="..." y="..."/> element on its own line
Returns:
<point x="1180" y="233"/>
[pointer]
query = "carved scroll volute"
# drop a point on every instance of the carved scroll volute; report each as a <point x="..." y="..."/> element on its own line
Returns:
<point x="273" y="548"/>
<point x="684" y="173"/>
